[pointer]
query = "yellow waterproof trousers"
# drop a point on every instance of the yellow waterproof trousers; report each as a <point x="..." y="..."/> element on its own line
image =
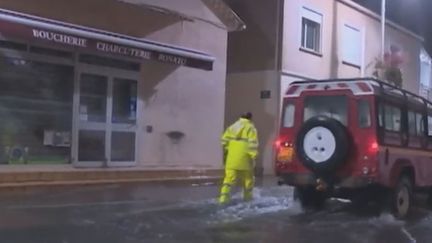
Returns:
<point x="246" y="178"/>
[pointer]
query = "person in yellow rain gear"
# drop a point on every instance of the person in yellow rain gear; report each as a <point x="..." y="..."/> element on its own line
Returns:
<point x="240" y="145"/>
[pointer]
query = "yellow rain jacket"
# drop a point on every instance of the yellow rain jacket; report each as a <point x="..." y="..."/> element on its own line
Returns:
<point x="240" y="140"/>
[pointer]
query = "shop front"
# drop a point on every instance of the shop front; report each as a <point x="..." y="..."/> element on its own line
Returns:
<point x="71" y="94"/>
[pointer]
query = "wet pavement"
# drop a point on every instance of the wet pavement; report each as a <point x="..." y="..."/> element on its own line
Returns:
<point x="188" y="213"/>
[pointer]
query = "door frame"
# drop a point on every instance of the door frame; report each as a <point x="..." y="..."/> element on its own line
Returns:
<point x="108" y="126"/>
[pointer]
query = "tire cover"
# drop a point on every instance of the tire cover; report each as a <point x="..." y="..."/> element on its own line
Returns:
<point x="322" y="144"/>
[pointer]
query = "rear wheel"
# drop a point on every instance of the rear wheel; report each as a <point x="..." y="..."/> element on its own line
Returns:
<point x="402" y="198"/>
<point x="310" y="198"/>
<point x="429" y="198"/>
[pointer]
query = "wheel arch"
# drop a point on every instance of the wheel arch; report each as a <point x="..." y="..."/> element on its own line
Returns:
<point x="402" y="167"/>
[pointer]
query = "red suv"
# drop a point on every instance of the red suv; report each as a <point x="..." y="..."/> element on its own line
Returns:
<point x="361" y="139"/>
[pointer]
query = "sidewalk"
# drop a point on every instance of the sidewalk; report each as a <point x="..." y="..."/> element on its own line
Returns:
<point x="24" y="176"/>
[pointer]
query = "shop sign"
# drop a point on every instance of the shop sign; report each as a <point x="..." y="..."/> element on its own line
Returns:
<point x="16" y="30"/>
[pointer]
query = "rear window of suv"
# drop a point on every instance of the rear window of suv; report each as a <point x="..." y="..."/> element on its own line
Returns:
<point x="331" y="106"/>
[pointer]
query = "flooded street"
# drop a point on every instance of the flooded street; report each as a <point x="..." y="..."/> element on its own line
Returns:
<point x="189" y="213"/>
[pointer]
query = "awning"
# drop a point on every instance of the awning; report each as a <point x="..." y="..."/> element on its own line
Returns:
<point x="230" y="20"/>
<point x="32" y="28"/>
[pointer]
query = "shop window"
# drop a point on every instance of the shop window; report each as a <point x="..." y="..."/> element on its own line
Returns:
<point x="311" y="30"/>
<point x="51" y="52"/>
<point x="93" y="98"/>
<point x="124" y="101"/>
<point x="91" y="145"/>
<point x="13" y="45"/>
<point x="123" y="146"/>
<point x="109" y="62"/>
<point x="35" y="111"/>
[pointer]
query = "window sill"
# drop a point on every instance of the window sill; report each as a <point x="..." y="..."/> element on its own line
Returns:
<point x="351" y="65"/>
<point x="310" y="51"/>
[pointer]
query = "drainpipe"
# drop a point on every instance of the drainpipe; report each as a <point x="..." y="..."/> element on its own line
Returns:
<point x="383" y="26"/>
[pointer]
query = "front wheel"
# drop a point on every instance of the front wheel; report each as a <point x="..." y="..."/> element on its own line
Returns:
<point x="402" y="198"/>
<point x="310" y="198"/>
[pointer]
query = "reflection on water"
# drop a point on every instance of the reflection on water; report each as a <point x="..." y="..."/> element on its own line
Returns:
<point x="272" y="216"/>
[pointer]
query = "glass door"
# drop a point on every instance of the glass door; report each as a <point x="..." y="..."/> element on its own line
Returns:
<point x="123" y="123"/>
<point x="92" y="119"/>
<point x="105" y="118"/>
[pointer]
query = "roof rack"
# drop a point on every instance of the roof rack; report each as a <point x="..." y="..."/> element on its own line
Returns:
<point x="381" y="84"/>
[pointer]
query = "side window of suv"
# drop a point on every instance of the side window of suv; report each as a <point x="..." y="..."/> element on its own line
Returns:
<point x="288" y="120"/>
<point x="419" y="124"/>
<point x="392" y="118"/>
<point x="412" y="123"/>
<point x="429" y="123"/>
<point x="415" y="124"/>
<point x="364" y="116"/>
<point x="381" y="115"/>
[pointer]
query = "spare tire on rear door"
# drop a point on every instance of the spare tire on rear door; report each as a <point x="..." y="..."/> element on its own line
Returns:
<point x="322" y="144"/>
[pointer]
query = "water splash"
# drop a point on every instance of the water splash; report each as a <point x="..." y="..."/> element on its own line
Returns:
<point x="386" y="219"/>
<point x="266" y="201"/>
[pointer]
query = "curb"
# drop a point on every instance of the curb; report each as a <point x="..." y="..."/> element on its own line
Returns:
<point x="29" y="180"/>
<point x="101" y="182"/>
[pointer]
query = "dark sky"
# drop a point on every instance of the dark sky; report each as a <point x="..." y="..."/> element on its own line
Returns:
<point x="415" y="15"/>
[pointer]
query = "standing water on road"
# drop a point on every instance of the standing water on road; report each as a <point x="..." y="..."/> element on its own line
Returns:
<point x="190" y="214"/>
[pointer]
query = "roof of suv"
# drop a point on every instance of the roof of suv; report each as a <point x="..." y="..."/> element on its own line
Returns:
<point x="359" y="86"/>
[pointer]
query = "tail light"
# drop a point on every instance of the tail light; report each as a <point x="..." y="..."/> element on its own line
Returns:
<point x="287" y="144"/>
<point x="277" y="143"/>
<point x="373" y="147"/>
<point x="281" y="144"/>
<point x="369" y="165"/>
<point x="284" y="150"/>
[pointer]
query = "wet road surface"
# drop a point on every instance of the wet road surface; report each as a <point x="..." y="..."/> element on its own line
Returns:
<point x="188" y="213"/>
